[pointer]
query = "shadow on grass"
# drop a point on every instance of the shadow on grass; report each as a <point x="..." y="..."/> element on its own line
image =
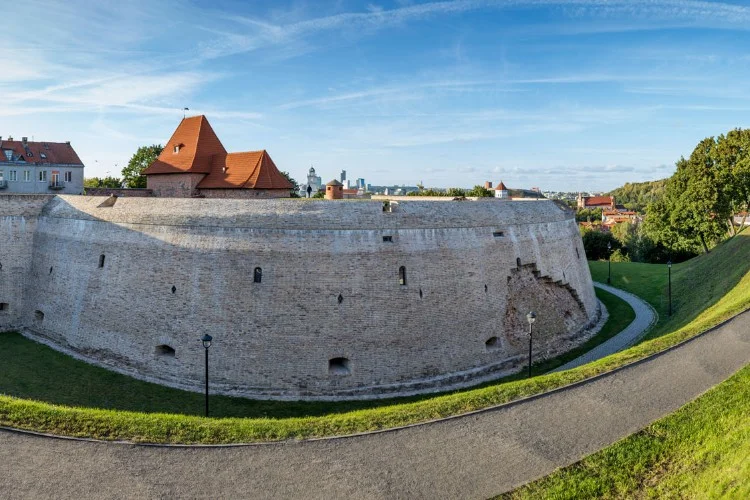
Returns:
<point x="33" y="371"/>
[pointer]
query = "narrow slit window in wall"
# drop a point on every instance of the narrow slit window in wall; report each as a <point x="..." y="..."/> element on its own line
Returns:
<point x="101" y="260"/>
<point x="402" y="275"/>
<point x="518" y="261"/>
<point x="578" y="254"/>
<point x="340" y="298"/>
<point x="498" y="234"/>
<point x="387" y="239"/>
<point x="257" y="275"/>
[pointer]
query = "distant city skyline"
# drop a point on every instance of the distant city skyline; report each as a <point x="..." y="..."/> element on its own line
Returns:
<point x="564" y="95"/>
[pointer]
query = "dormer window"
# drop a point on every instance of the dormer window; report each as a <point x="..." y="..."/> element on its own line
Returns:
<point x="177" y="149"/>
<point x="44" y="156"/>
<point x="8" y="154"/>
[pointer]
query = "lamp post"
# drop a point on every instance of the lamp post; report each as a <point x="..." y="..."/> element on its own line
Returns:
<point x="669" y="270"/>
<point x="206" y="339"/>
<point x="609" y="263"/>
<point x="531" y="317"/>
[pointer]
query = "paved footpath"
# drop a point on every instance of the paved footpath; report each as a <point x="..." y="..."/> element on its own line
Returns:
<point x="474" y="456"/>
<point x="645" y="316"/>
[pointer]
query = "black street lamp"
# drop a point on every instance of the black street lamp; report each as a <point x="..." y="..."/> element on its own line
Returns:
<point x="669" y="270"/>
<point x="609" y="263"/>
<point x="206" y="339"/>
<point x="531" y="317"/>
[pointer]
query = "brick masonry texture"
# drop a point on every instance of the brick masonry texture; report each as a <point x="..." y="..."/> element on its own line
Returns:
<point x="175" y="269"/>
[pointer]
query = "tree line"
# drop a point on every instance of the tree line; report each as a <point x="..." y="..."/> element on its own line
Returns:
<point x="688" y="213"/>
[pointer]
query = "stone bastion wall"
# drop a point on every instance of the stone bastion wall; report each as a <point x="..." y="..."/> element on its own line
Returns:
<point x="305" y="299"/>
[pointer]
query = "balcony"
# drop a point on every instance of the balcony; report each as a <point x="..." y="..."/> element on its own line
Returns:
<point x="56" y="185"/>
<point x="3" y="184"/>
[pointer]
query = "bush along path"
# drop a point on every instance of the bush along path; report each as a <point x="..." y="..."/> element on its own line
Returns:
<point x="645" y="317"/>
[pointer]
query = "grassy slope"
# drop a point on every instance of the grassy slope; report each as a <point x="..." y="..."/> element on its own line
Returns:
<point x="105" y="424"/>
<point x="699" y="286"/>
<point x="700" y="451"/>
<point x="33" y="371"/>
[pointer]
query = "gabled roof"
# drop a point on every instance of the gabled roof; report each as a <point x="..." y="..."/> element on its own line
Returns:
<point x="249" y="170"/>
<point x="197" y="144"/>
<point x="591" y="201"/>
<point x="41" y="153"/>
<point x="501" y="187"/>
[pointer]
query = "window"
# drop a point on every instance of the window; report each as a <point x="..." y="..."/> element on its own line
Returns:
<point x="101" y="260"/>
<point x="39" y="315"/>
<point x="518" y="261"/>
<point x="27" y="176"/>
<point x="176" y="149"/>
<point x="42" y="176"/>
<point x="402" y="275"/>
<point x="8" y="155"/>
<point x="1" y="175"/>
<point x="44" y="156"/>
<point x="4" y="307"/>
<point x="13" y="175"/>
<point x="338" y="366"/>
<point x="257" y="275"/>
<point x="387" y="239"/>
<point x="68" y="176"/>
<point x="498" y="234"/>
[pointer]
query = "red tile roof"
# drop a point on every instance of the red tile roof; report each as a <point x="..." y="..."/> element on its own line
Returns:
<point x="35" y="152"/>
<point x="201" y="151"/>
<point x="501" y="187"/>
<point x="594" y="201"/>
<point x="197" y="144"/>
<point x="250" y="170"/>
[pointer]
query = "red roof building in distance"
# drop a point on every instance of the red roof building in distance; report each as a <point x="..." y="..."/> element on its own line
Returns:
<point x="194" y="163"/>
<point x="501" y="191"/>
<point x="39" y="167"/>
<point x="603" y="202"/>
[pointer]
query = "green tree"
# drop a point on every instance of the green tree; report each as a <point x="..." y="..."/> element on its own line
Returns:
<point x="294" y="193"/>
<point x="105" y="182"/>
<point x="595" y="244"/>
<point x="132" y="174"/>
<point x="480" y="192"/>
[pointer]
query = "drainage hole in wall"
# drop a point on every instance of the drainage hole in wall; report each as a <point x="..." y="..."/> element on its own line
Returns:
<point x="338" y="366"/>
<point x="165" y="350"/>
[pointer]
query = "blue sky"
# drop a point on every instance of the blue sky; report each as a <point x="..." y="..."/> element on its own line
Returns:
<point x="575" y="95"/>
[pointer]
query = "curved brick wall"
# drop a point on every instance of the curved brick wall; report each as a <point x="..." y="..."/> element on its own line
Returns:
<point x="175" y="269"/>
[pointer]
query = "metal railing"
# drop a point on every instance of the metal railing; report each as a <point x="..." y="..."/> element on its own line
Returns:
<point x="56" y="185"/>
<point x="3" y="184"/>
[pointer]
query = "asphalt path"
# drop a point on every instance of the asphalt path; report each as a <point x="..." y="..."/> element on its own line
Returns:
<point x="473" y="456"/>
<point x="645" y="316"/>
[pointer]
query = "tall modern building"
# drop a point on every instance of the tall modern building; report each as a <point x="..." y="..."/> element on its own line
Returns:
<point x="39" y="167"/>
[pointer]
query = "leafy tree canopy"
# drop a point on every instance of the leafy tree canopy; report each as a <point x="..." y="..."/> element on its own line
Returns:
<point x="105" y="182"/>
<point x="132" y="174"/>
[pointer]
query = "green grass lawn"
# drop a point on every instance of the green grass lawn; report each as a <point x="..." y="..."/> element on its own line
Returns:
<point x="700" y="451"/>
<point x="699" y="286"/>
<point x="33" y="371"/>
<point x="711" y="287"/>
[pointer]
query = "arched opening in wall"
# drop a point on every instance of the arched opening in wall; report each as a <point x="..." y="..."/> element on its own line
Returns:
<point x="492" y="344"/>
<point x="38" y="316"/>
<point x="4" y="307"/>
<point x="338" y="366"/>
<point x="257" y="275"/>
<point x="101" y="260"/>
<point x="165" y="350"/>
<point x="402" y="275"/>
<point x="518" y="261"/>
